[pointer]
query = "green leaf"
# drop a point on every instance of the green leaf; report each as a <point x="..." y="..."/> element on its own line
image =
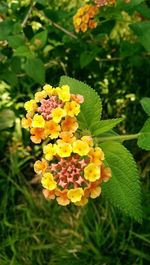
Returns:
<point x="144" y="137"/>
<point x="35" y="69"/>
<point x="142" y="30"/>
<point x="15" y="41"/>
<point x="104" y="126"/>
<point x="145" y="102"/>
<point x="143" y="10"/>
<point x="23" y="51"/>
<point x="10" y="77"/>
<point x="91" y="108"/>
<point x="123" y="189"/>
<point x="86" y="57"/>
<point x="7" y="118"/>
<point x="39" y="40"/>
<point x="6" y="28"/>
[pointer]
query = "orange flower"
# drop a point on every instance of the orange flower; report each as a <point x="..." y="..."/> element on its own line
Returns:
<point x="67" y="137"/>
<point x="69" y="124"/>
<point x="62" y="198"/>
<point x="84" y="18"/>
<point x="26" y="123"/>
<point x="49" y="194"/>
<point x="40" y="166"/>
<point x="52" y="129"/>
<point x="37" y="135"/>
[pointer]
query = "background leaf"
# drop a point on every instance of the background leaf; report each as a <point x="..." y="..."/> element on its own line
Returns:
<point x="35" y="69"/>
<point x="142" y="30"/>
<point x="91" y="108"/>
<point x="7" y="118"/>
<point x="39" y="39"/>
<point x="144" y="137"/>
<point x="123" y="189"/>
<point x="145" y="102"/>
<point x="104" y="126"/>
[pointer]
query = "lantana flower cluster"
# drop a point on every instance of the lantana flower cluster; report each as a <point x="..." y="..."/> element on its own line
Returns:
<point x="72" y="168"/>
<point x="52" y="111"/>
<point x="100" y="3"/>
<point x="84" y="18"/>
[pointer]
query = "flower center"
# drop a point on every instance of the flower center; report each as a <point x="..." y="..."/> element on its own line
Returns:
<point x="69" y="172"/>
<point x="47" y="105"/>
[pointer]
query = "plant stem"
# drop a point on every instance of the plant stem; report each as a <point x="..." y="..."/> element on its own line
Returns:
<point x="23" y="24"/>
<point x="119" y="137"/>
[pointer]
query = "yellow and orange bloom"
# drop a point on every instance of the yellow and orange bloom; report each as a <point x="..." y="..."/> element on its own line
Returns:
<point x="72" y="108"/>
<point x="80" y="147"/>
<point x="88" y="140"/>
<point x="72" y="169"/>
<point x="70" y="175"/>
<point x="48" y="181"/>
<point x="63" y="149"/>
<point x="67" y="137"/>
<point x="53" y="110"/>
<point x="26" y="122"/>
<point x="40" y="166"/>
<point x="49" y="151"/>
<point x="84" y="18"/>
<point x="38" y="121"/>
<point x="101" y="3"/>
<point x="92" y="172"/>
<point x="69" y="124"/>
<point x="51" y="129"/>
<point x="64" y="93"/>
<point x="37" y="135"/>
<point x="75" y="195"/>
<point x="30" y="105"/>
<point x="58" y="114"/>
<point x="96" y="155"/>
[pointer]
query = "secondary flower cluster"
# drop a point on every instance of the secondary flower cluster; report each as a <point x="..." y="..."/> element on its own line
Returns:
<point x="52" y="111"/>
<point x="100" y="3"/>
<point x="72" y="169"/>
<point x="84" y="18"/>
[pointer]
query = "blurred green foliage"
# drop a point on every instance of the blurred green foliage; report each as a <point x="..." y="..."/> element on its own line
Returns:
<point x="38" y="44"/>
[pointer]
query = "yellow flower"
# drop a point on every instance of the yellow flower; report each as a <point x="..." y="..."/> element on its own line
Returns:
<point x="81" y="148"/>
<point x="52" y="129"/>
<point x="88" y="140"/>
<point x="95" y="192"/>
<point x="96" y="155"/>
<point x="77" y="21"/>
<point x="30" y="106"/>
<point x="63" y="149"/>
<point x="48" y="89"/>
<point x="58" y="114"/>
<point x="49" y="151"/>
<point x="48" y="181"/>
<point x="26" y="123"/>
<point x="64" y="93"/>
<point x="72" y="108"/>
<point x="75" y="195"/>
<point x="40" y="166"/>
<point x="40" y="95"/>
<point x="82" y="202"/>
<point x="38" y="121"/>
<point x="92" y="172"/>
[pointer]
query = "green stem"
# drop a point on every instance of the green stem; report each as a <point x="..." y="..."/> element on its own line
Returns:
<point x="119" y="137"/>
